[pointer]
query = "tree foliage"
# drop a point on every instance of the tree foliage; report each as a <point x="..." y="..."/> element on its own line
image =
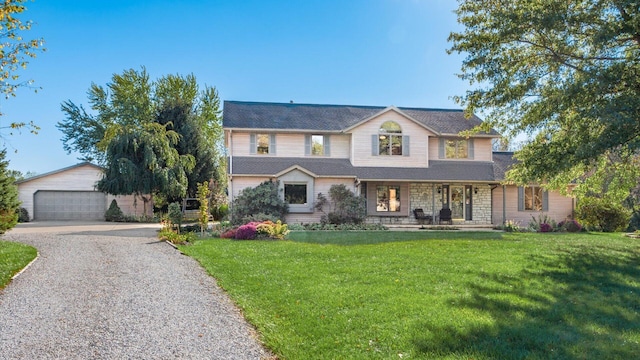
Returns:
<point x="151" y="136"/>
<point x="9" y="203"/>
<point x="567" y="73"/>
<point x="15" y="52"/>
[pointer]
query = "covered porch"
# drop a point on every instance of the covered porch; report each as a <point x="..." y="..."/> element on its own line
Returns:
<point x="395" y="203"/>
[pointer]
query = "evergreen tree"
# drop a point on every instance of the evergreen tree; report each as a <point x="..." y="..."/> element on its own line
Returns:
<point x="9" y="203"/>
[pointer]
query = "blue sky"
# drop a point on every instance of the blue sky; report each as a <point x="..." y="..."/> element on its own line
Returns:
<point x="361" y="52"/>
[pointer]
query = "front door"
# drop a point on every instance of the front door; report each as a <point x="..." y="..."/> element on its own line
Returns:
<point x="457" y="202"/>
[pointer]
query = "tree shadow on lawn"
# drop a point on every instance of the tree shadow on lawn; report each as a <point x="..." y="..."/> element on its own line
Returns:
<point x="580" y="303"/>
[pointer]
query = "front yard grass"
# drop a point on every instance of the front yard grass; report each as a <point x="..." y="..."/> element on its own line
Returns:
<point x="13" y="257"/>
<point x="435" y="295"/>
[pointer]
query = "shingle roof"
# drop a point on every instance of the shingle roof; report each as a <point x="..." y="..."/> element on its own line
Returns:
<point x="314" y="117"/>
<point x="502" y="161"/>
<point x="58" y="171"/>
<point x="439" y="170"/>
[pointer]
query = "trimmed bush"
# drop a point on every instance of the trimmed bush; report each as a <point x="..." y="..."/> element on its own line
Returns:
<point x="114" y="213"/>
<point x="23" y="215"/>
<point x="246" y="232"/>
<point x="602" y="215"/>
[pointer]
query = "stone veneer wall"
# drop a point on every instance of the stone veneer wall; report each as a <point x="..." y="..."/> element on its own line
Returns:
<point x="420" y="196"/>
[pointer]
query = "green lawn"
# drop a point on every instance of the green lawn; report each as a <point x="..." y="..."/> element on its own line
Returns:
<point x="13" y="257"/>
<point x="435" y="295"/>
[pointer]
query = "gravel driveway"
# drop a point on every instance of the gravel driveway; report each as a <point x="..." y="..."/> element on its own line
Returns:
<point x="112" y="291"/>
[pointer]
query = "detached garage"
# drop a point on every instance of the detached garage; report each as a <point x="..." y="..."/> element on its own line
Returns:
<point x="69" y="205"/>
<point x="70" y="194"/>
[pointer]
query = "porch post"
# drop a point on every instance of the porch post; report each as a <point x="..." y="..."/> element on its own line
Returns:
<point x="433" y="204"/>
<point x="504" y="204"/>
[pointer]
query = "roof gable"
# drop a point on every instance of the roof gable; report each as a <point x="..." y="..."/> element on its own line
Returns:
<point x="68" y="168"/>
<point x="336" y="118"/>
<point x="386" y="110"/>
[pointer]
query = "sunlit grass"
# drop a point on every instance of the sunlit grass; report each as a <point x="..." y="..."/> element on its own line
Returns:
<point x="13" y="257"/>
<point x="435" y="295"/>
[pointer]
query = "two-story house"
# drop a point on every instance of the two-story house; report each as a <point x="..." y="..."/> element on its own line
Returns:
<point x="399" y="159"/>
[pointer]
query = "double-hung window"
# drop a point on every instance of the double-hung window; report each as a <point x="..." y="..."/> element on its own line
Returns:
<point x="317" y="145"/>
<point x="262" y="144"/>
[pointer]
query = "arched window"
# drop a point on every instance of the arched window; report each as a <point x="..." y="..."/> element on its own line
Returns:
<point x="390" y="139"/>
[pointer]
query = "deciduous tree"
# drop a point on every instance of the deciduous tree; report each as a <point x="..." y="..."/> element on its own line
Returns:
<point x="151" y="136"/>
<point x="567" y="73"/>
<point x="15" y="51"/>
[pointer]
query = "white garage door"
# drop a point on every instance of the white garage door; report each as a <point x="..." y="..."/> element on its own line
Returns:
<point x="69" y="205"/>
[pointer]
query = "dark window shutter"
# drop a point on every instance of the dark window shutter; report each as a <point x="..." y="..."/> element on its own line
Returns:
<point x="520" y="198"/>
<point x="272" y="144"/>
<point x="405" y="145"/>
<point x="470" y="149"/>
<point x="374" y="145"/>
<point x="441" y="148"/>
<point x="545" y="201"/>
<point x="327" y="145"/>
<point x="252" y="144"/>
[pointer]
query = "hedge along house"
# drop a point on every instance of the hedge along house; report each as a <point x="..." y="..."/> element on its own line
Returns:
<point x="399" y="159"/>
<point x="70" y="194"/>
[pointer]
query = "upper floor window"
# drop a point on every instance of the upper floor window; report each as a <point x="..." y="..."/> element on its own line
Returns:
<point x="390" y="139"/>
<point x="262" y="141"/>
<point x="456" y="149"/>
<point x="263" y="144"/>
<point x="317" y="145"/>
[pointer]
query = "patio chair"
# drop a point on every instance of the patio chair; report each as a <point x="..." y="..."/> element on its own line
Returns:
<point x="445" y="216"/>
<point x="422" y="217"/>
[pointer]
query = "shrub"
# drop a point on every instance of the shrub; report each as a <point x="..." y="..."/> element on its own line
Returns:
<point x="510" y="226"/>
<point x="261" y="217"/>
<point x="337" y="227"/>
<point x="219" y="212"/>
<point x="174" y="215"/>
<point x="246" y="232"/>
<point x="543" y="224"/>
<point x="229" y="234"/>
<point x="175" y="238"/>
<point x="544" y="227"/>
<point x="602" y="215"/>
<point x="262" y="199"/>
<point x="271" y="230"/>
<point x="570" y="226"/>
<point x="23" y="215"/>
<point x="114" y="213"/>
<point x="347" y="207"/>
